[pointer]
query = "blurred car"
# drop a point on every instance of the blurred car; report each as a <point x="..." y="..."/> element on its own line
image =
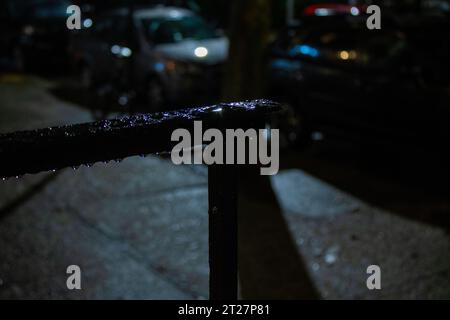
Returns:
<point x="341" y="79"/>
<point x="167" y="55"/>
<point x="34" y="33"/>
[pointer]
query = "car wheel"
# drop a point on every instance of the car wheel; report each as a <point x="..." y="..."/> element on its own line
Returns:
<point x="155" y="96"/>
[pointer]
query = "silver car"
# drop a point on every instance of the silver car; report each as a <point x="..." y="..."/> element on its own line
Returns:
<point x="166" y="55"/>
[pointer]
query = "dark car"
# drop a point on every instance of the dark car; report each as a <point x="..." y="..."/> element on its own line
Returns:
<point x="342" y="79"/>
<point x="164" y="55"/>
<point x="34" y="33"/>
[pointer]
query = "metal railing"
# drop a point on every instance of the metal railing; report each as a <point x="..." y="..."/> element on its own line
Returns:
<point x="30" y="152"/>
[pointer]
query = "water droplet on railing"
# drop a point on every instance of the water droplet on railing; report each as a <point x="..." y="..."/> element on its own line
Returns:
<point x="331" y="255"/>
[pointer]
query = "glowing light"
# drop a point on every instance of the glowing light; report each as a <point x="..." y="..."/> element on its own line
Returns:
<point x="174" y="14"/>
<point x="344" y="55"/>
<point x="87" y="23"/>
<point x="126" y="52"/>
<point x="115" y="49"/>
<point x="159" y="66"/>
<point x="28" y="30"/>
<point x="121" y="51"/>
<point x="201" y="52"/>
<point x="354" y="11"/>
<point x="322" y="12"/>
<point x="305" y="50"/>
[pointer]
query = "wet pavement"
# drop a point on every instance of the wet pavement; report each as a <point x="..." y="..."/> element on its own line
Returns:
<point x="138" y="228"/>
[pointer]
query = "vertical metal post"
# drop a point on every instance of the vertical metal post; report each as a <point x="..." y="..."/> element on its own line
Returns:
<point x="222" y="190"/>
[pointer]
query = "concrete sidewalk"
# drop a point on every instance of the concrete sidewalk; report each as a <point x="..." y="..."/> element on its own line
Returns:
<point x="134" y="233"/>
<point x="340" y="236"/>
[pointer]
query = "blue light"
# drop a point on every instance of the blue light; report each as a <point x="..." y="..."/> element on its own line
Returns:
<point x="305" y="50"/>
<point x="354" y="11"/>
<point x="87" y="23"/>
<point x="115" y="49"/>
<point x="159" y="66"/>
<point x="285" y="64"/>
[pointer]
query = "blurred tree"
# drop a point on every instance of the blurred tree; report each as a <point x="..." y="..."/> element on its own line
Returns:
<point x="249" y="33"/>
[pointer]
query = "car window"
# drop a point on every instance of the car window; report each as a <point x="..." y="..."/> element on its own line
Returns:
<point x="173" y="30"/>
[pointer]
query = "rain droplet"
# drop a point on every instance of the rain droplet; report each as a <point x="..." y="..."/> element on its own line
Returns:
<point x="330" y="258"/>
<point x="331" y="255"/>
